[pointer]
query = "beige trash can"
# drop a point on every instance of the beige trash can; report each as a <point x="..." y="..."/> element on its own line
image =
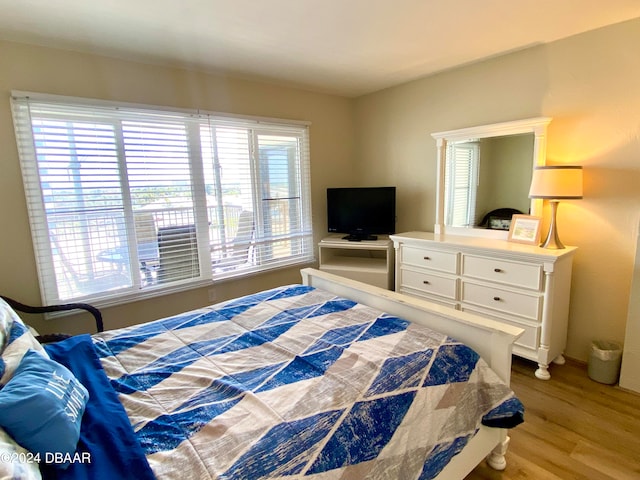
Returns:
<point x="604" y="362"/>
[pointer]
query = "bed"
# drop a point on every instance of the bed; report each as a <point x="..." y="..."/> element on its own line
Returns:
<point x="326" y="379"/>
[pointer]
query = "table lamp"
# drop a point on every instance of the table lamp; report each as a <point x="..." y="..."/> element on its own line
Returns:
<point x="555" y="183"/>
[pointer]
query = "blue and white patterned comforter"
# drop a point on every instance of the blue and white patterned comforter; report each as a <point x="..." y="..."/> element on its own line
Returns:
<point x="296" y="383"/>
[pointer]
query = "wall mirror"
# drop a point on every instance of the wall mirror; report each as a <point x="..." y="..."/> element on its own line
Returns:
<point x="485" y="169"/>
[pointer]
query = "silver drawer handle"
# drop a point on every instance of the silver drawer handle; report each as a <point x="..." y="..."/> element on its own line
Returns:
<point x="497" y="299"/>
<point x="497" y="270"/>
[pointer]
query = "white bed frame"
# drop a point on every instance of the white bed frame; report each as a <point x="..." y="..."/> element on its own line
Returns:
<point x="492" y="340"/>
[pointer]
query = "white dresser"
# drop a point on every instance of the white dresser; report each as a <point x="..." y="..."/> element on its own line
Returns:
<point x="522" y="285"/>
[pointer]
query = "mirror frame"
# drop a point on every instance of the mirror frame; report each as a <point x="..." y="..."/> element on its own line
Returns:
<point x="537" y="126"/>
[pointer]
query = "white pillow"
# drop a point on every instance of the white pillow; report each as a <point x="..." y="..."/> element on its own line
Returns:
<point x="15" y="341"/>
<point x="15" y="461"/>
<point x="6" y="320"/>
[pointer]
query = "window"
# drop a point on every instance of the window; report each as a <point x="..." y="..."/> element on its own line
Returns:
<point x="127" y="201"/>
<point x="463" y="161"/>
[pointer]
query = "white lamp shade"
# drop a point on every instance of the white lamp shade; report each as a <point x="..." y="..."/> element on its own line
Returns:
<point x="556" y="182"/>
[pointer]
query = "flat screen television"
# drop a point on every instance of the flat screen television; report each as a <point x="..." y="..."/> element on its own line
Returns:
<point x="361" y="213"/>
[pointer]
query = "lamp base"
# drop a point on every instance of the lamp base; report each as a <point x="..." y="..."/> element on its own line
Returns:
<point x="553" y="241"/>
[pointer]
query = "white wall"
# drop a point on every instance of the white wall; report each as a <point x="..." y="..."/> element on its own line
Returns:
<point x="38" y="69"/>
<point x="590" y="85"/>
<point x="630" y="371"/>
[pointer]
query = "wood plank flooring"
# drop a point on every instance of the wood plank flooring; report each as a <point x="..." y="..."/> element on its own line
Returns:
<point x="574" y="428"/>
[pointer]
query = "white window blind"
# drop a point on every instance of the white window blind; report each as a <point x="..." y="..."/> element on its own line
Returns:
<point x="127" y="201"/>
<point x="462" y="166"/>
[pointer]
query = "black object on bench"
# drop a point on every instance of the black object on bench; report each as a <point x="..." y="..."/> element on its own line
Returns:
<point x="21" y="307"/>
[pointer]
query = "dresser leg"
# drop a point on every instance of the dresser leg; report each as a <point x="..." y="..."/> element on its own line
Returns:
<point x="543" y="372"/>
<point x="496" y="459"/>
<point x="559" y="360"/>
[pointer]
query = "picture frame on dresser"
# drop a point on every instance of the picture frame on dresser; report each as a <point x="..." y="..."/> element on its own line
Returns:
<point x="525" y="229"/>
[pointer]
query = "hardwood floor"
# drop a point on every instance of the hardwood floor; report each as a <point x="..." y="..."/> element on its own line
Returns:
<point x="574" y="428"/>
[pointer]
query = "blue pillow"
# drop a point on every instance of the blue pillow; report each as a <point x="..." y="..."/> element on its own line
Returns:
<point x="42" y="405"/>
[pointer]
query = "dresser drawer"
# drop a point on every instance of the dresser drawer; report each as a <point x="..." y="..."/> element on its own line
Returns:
<point x="502" y="300"/>
<point x="432" y="259"/>
<point x="524" y="275"/>
<point x="430" y="283"/>
<point x="529" y="339"/>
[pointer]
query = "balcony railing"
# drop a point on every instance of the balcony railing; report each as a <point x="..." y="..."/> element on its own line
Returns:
<point x="92" y="253"/>
<point x="90" y="250"/>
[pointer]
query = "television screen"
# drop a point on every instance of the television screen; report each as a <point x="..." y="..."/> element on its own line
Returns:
<point x="361" y="212"/>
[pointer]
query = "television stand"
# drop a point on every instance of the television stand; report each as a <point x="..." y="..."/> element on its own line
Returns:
<point x="370" y="261"/>
<point x="354" y="237"/>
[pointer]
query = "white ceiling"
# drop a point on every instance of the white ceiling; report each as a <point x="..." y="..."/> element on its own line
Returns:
<point x="345" y="47"/>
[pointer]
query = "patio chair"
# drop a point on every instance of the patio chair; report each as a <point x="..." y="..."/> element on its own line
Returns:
<point x="239" y="251"/>
<point x="178" y="253"/>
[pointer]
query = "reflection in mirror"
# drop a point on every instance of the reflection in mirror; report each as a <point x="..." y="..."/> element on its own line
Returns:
<point x="484" y="174"/>
<point x="487" y="174"/>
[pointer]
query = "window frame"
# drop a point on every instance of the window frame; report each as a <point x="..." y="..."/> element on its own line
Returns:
<point x="255" y="127"/>
<point x="464" y="156"/>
